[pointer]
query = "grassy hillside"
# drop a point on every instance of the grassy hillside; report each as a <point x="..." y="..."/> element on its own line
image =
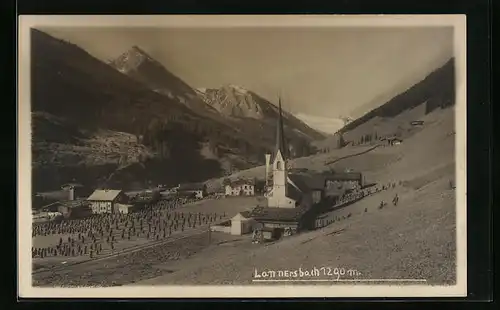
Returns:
<point x="414" y="240"/>
<point x="393" y="118"/>
<point x="436" y="90"/>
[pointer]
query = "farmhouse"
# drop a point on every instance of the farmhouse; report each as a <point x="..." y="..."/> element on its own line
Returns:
<point x="296" y="219"/>
<point x="199" y="190"/>
<point x="240" y="187"/>
<point x="106" y="200"/>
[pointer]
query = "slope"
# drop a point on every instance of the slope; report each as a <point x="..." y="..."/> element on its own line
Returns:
<point x="140" y="66"/>
<point x="71" y="87"/>
<point x="414" y="240"/>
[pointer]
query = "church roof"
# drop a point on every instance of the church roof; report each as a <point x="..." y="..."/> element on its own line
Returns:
<point x="294" y="193"/>
<point x="280" y="135"/>
<point x="308" y="181"/>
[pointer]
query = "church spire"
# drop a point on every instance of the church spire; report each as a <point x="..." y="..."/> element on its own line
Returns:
<point x="280" y="135"/>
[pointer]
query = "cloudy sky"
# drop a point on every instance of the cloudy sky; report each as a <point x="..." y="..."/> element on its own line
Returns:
<point x="328" y="72"/>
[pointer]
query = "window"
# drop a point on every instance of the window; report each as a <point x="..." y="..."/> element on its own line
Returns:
<point x="278" y="165"/>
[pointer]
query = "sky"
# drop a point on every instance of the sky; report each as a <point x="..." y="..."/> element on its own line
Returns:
<point x="327" y="72"/>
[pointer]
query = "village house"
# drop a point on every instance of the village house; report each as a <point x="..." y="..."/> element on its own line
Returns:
<point x="107" y="200"/>
<point x="199" y="190"/>
<point x="240" y="187"/>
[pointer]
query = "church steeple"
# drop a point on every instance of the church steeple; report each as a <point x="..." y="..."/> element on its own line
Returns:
<point x="280" y="135"/>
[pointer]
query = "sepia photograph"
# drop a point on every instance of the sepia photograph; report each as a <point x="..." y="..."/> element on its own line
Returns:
<point x="242" y="156"/>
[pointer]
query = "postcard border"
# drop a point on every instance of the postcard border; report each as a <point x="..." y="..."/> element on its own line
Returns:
<point x="25" y="289"/>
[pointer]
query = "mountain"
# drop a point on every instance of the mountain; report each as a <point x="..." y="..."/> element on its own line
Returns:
<point x="436" y="91"/>
<point x="246" y="108"/>
<point x="231" y="104"/>
<point x="327" y="125"/>
<point x="140" y="66"/>
<point x="104" y="127"/>
<point x="105" y="114"/>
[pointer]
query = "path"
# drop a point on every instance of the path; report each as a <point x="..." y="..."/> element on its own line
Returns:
<point x="351" y="155"/>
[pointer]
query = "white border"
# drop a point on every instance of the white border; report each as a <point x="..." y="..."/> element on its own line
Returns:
<point x="25" y="289"/>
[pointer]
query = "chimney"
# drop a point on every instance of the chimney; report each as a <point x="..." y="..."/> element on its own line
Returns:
<point x="268" y="160"/>
<point x="71" y="193"/>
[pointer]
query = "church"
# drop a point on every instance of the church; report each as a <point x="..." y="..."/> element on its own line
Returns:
<point x="292" y="196"/>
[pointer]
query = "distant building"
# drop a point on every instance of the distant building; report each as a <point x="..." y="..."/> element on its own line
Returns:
<point x="416" y="123"/>
<point x="106" y="200"/>
<point x="240" y="188"/>
<point x="199" y="190"/>
<point x="394" y="141"/>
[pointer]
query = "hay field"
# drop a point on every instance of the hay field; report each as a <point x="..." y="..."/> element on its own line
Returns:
<point x="138" y="245"/>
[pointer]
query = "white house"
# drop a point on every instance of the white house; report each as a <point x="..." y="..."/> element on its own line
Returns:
<point x="106" y="200"/>
<point x="242" y="224"/>
<point x="240" y="188"/>
<point x="124" y="208"/>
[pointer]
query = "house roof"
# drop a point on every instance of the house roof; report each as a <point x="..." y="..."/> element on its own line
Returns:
<point x="345" y="176"/>
<point x="278" y="214"/>
<point x="241" y="182"/>
<point x="394" y="138"/>
<point x="244" y="215"/>
<point x="74" y="203"/>
<point x="192" y="187"/>
<point x="104" y="194"/>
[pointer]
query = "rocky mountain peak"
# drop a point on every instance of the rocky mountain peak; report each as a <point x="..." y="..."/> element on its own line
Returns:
<point x="131" y="59"/>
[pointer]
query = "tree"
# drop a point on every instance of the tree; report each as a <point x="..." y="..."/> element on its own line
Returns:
<point x="341" y="142"/>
